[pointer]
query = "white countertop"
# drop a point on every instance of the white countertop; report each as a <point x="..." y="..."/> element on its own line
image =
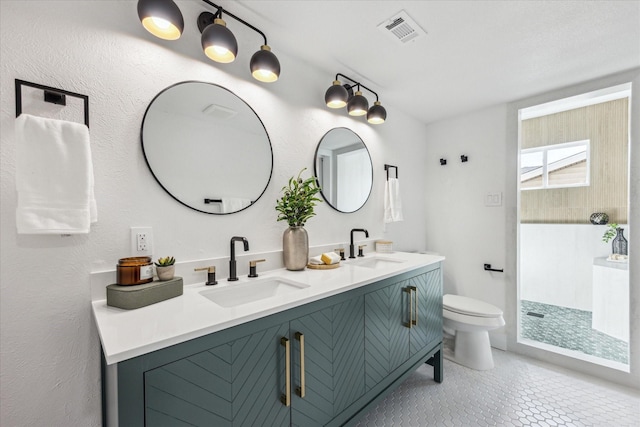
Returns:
<point x="129" y="333"/>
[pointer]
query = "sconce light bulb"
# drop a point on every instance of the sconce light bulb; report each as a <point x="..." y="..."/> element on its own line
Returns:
<point x="376" y="114"/>
<point x="357" y="105"/>
<point x="219" y="43"/>
<point x="264" y="65"/>
<point x="163" y="19"/>
<point x="336" y="96"/>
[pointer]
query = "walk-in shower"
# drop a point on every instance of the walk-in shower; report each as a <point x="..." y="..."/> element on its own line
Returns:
<point x="573" y="298"/>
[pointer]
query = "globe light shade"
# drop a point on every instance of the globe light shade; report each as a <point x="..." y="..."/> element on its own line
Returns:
<point x="162" y="18"/>
<point x="336" y="96"/>
<point x="376" y="114"/>
<point x="264" y="65"/>
<point x="358" y="105"/>
<point x="219" y="43"/>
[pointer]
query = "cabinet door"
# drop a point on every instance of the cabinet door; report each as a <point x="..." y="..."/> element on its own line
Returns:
<point x="333" y="362"/>
<point x="386" y="332"/>
<point x="234" y="384"/>
<point x="427" y="300"/>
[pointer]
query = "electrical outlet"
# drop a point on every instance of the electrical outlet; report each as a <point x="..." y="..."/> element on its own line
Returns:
<point x="141" y="241"/>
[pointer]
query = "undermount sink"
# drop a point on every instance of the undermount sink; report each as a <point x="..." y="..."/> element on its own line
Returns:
<point x="234" y="295"/>
<point x="375" y="262"/>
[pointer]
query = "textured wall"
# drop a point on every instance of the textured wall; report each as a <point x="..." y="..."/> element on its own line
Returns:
<point x="49" y="346"/>
<point x="606" y="126"/>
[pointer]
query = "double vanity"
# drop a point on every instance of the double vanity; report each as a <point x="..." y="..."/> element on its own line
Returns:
<point x="311" y="347"/>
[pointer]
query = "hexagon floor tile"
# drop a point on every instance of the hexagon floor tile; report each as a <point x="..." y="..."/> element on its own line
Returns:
<point x="518" y="392"/>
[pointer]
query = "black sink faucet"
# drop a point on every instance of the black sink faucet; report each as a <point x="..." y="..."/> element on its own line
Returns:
<point x="351" y="247"/>
<point x="233" y="276"/>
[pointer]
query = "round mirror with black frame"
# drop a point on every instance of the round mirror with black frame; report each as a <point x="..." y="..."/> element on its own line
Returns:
<point x="344" y="170"/>
<point x="206" y="147"/>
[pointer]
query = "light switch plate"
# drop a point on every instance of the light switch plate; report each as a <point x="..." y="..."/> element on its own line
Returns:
<point x="493" y="199"/>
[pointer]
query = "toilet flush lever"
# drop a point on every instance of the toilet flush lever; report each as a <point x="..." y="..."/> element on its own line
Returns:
<point x="487" y="267"/>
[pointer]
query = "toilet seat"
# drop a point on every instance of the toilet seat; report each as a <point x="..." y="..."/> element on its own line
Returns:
<point x="469" y="306"/>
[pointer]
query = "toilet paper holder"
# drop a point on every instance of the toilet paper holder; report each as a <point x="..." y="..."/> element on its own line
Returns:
<point x="487" y="267"/>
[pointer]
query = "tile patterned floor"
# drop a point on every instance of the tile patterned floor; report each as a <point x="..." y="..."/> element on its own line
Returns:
<point x="518" y="392"/>
<point x="571" y="329"/>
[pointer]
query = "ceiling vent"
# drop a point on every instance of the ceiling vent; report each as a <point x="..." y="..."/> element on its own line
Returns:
<point x="219" y="112"/>
<point x="402" y="28"/>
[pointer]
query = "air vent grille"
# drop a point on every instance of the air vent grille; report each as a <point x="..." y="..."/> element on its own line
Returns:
<point x="402" y="28"/>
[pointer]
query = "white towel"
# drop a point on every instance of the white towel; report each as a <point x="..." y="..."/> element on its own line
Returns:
<point x="54" y="177"/>
<point x="234" y="204"/>
<point x="392" y="201"/>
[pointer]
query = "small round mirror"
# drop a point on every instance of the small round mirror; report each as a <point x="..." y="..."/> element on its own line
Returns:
<point x="207" y="147"/>
<point x="343" y="169"/>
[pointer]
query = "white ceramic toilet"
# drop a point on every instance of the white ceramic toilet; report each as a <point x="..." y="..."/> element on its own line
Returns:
<point x="471" y="320"/>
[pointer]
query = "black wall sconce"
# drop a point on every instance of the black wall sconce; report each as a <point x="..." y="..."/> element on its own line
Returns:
<point x="339" y="95"/>
<point x="443" y="162"/>
<point x="163" y="19"/>
<point x="464" y="158"/>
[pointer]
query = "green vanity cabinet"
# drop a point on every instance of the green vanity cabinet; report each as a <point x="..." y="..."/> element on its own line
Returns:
<point x="386" y="333"/>
<point x="335" y="357"/>
<point x="426" y="328"/>
<point x="333" y="362"/>
<point x="231" y="384"/>
<point x="401" y="320"/>
<point x="243" y="382"/>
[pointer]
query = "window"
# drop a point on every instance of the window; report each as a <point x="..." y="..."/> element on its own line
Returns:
<point x="555" y="166"/>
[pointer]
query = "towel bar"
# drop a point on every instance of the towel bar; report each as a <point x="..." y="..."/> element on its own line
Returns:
<point x="387" y="167"/>
<point x="487" y="267"/>
<point x="51" y="94"/>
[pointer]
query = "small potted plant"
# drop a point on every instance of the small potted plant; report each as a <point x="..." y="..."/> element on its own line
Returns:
<point x="296" y="207"/>
<point x="165" y="268"/>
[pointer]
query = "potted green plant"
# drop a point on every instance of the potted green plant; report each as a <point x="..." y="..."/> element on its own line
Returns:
<point x="296" y="206"/>
<point x="165" y="268"/>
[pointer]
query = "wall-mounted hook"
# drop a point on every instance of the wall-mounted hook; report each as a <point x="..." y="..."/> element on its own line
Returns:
<point x="443" y="162"/>
<point x="463" y="158"/>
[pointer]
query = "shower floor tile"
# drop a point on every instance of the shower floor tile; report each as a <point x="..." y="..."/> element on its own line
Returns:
<point x="571" y="329"/>
<point x="518" y="392"/>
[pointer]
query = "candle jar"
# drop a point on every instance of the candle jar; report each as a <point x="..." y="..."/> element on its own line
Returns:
<point x="135" y="270"/>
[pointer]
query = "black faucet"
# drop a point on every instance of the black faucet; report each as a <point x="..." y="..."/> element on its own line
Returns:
<point x="351" y="247"/>
<point x="233" y="276"/>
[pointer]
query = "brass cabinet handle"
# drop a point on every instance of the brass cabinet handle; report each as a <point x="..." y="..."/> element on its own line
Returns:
<point x="414" y="289"/>
<point x="409" y="324"/>
<point x="286" y="398"/>
<point x="300" y="390"/>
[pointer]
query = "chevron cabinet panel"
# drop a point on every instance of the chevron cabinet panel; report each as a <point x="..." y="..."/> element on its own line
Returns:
<point x="386" y="336"/>
<point x="316" y="407"/>
<point x="348" y="353"/>
<point x="235" y="384"/>
<point x="429" y="311"/>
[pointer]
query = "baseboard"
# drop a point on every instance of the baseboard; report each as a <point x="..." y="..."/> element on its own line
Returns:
<point x="498" y="340"/>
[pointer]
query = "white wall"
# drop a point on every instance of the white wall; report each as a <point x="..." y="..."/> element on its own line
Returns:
<point x="459" y="225"/>
<point x="49" y="356"/>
